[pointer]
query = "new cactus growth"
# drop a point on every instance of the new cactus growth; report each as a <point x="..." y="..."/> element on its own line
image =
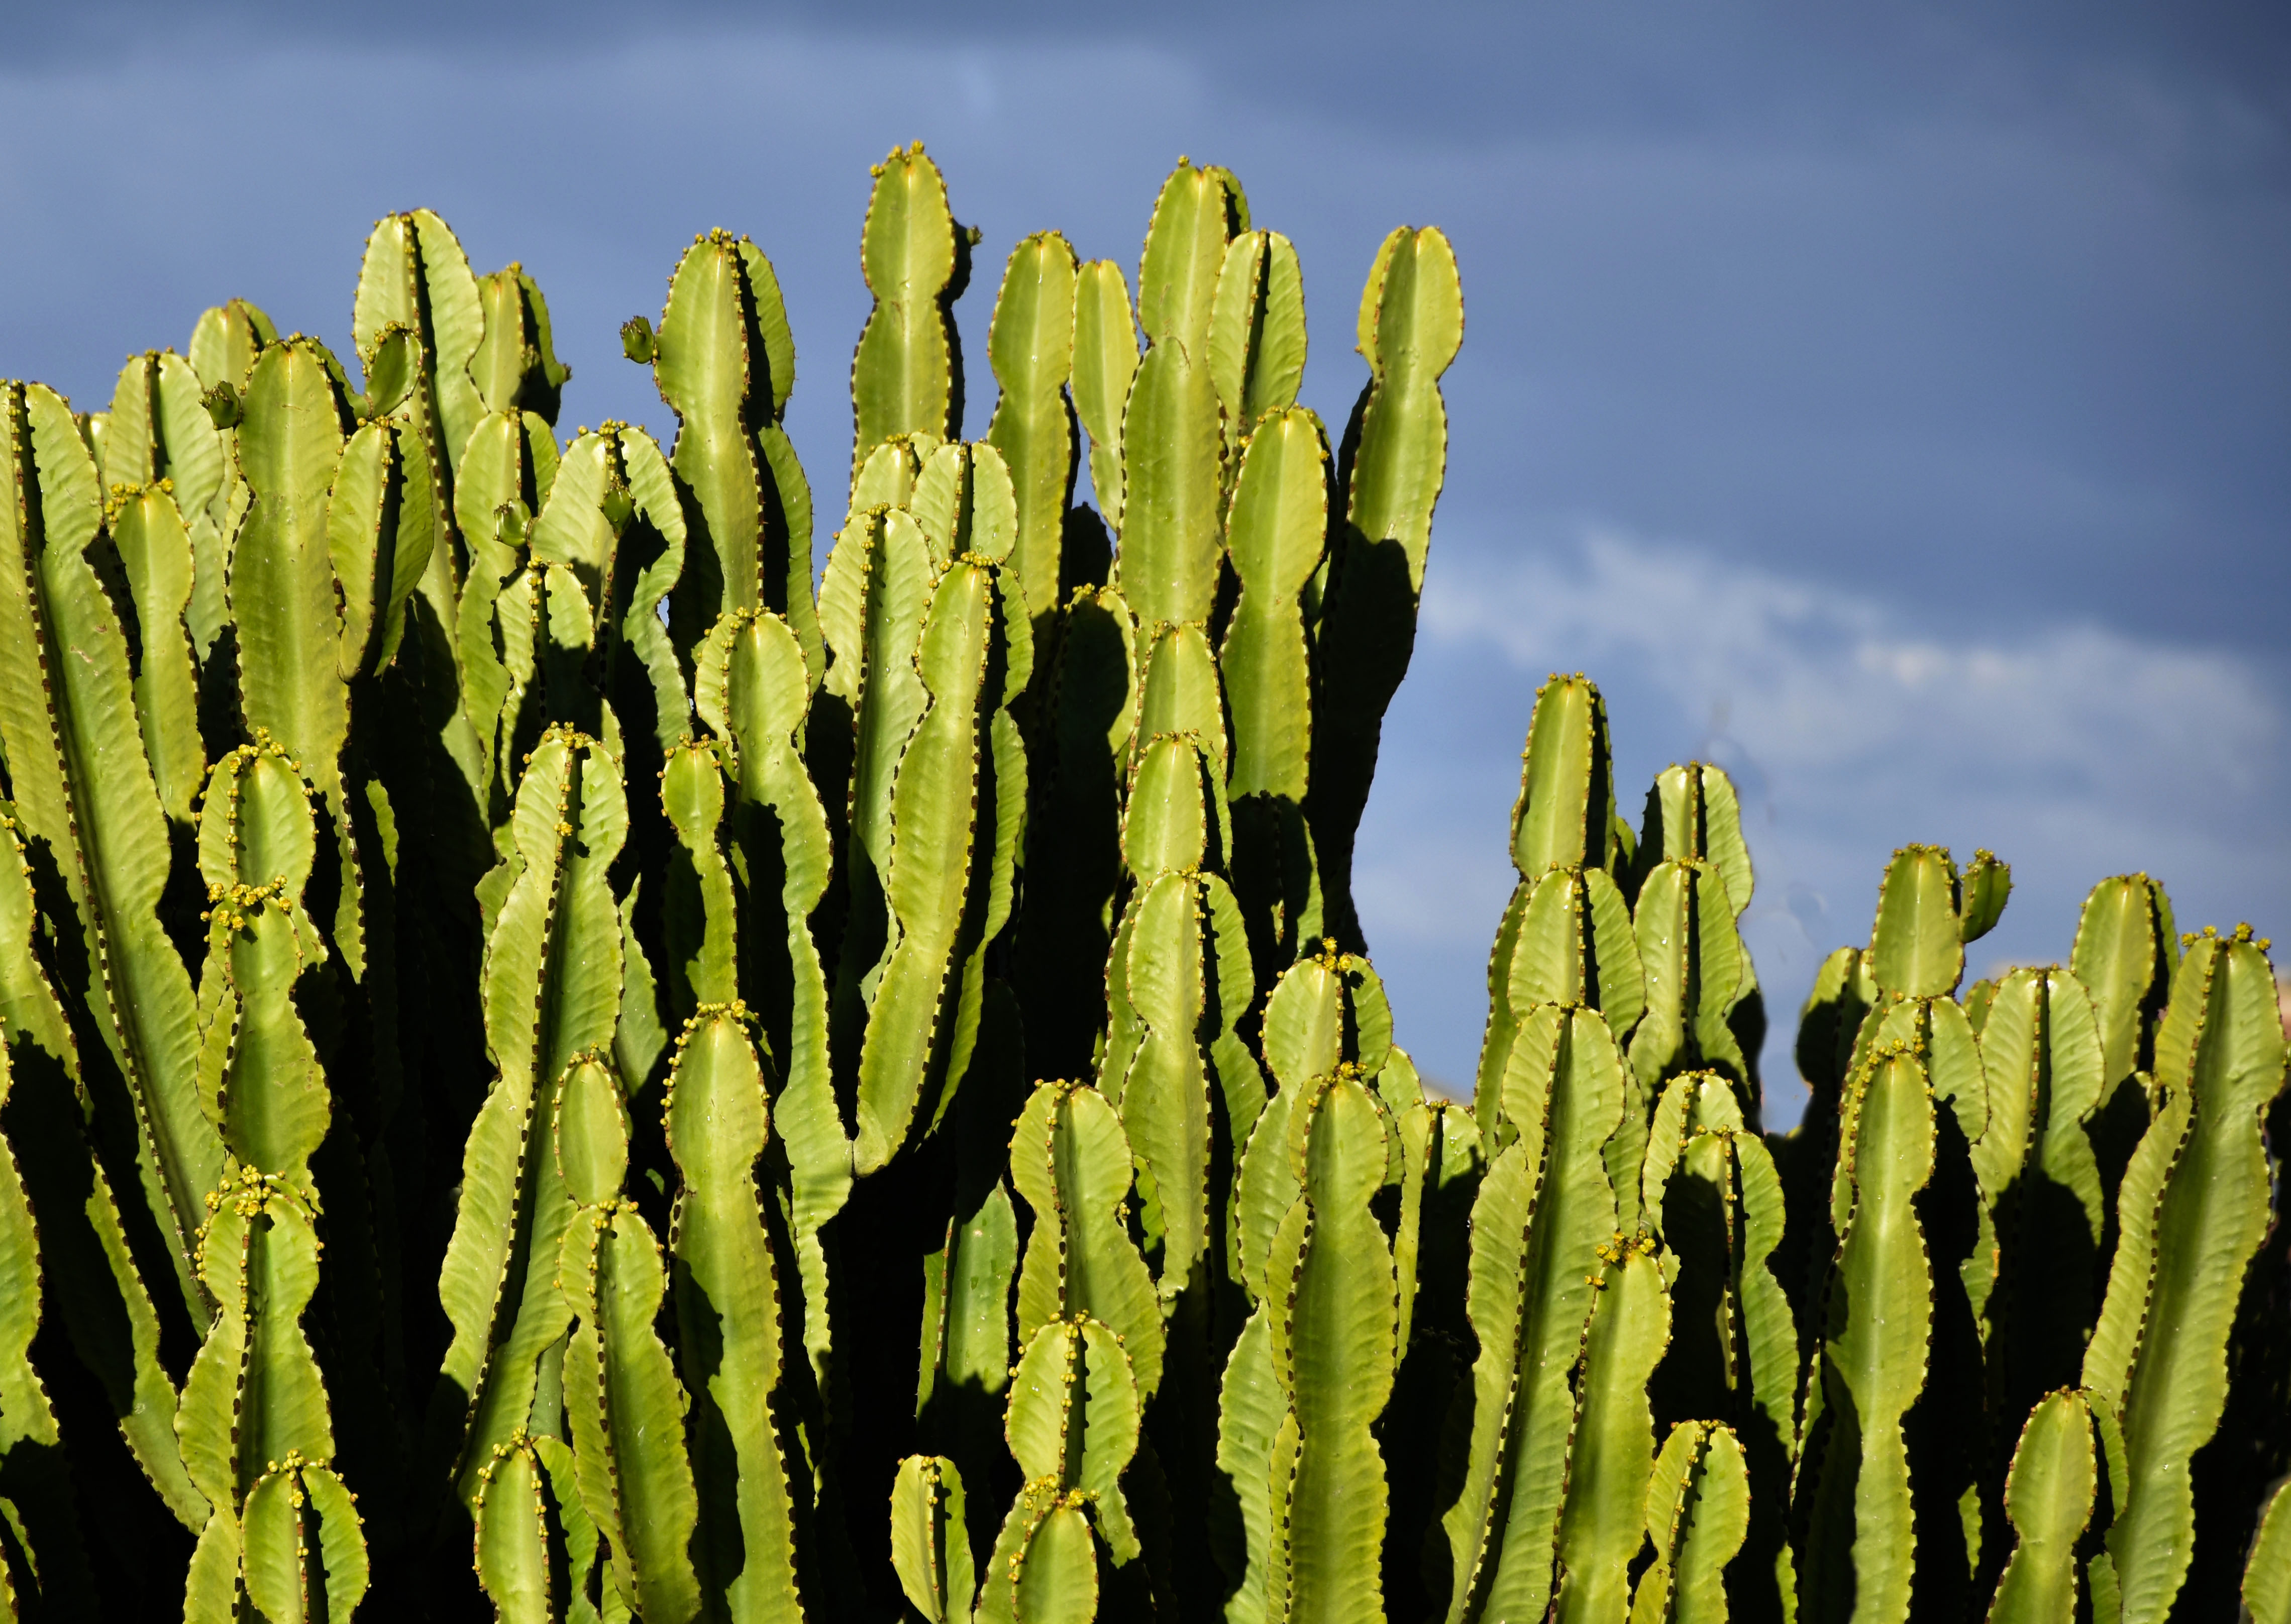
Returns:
<point x="883" y="1069"/>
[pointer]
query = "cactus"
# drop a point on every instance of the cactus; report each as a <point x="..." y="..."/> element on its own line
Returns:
<point x="553" y="994"/>
<point x="1696" y="1513"/>
<point x="1544" y="1211"/>
<point x="1032" y="346"/>
<point x="717" y="1109"/>
<point x="729" y="1320"/>
<point x="2193" y="1208"/>
<point x="1389" y="472"/>
<point x="67" y="704"/>
<point x="726" y="364"/>
<point x="905" y="375"/>
<point x="2050" y="1497"/>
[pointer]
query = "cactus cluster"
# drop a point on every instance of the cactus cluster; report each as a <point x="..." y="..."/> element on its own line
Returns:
<point x="556" y="1062"/>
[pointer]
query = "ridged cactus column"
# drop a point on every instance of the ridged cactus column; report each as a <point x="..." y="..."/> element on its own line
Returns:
<point x="2192" y="1209"/>
<point x="66" y="704"/>
<point x="1395" y="458"/>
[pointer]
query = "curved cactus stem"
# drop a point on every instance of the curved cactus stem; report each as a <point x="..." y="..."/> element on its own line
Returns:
<point x="297" y="1511"/>
<point x="2049" y="1496"/>
<point x="1105" y="365"/>
<point x="515" y="367"/>
<point x="1603" y="1524"/>
<point x="87" y="1269"/>
<point x="2267" y="1575"/>
<point x="158" y="431"/>
<point x="1031" y="345"/>
<point x="726" y="363"/>
<point x="1853" y="1484"/>
<point x="727" y="1310"/>
<point x="2193" y="1209"/>
<point x="1333" y="1302"/>
<point x="1543" y="1211"/>
<point x="1257" y="328"/>
<point x="2041" y="1052"/>
<point x="1172" y="454"/>
<point x="1071" y="1162"/>
<point x="627" y="1410"/>
<point x="929" y="1548"/>
<point x="552" y="992"/>
<point x="1698" y="1509"/>
<point x="905" y="375"/>
<point x="1391" y="466"/>
<point x="66" y="706"/>
<point x="154" y="548"/>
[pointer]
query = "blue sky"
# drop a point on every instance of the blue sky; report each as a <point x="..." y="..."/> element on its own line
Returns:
<point x="1894" y="408"/>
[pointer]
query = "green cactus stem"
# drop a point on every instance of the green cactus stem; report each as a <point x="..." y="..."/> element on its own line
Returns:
<point x="1544" y="1209"/>
<point x="905" y="375"/>
<point x="729" y="1321"/>
<point x="1698" y="1507"/>
<point x="1390" y="470"/>
<point x="725" y="362"/>
<point x="553" y="994"/>
<point x="1032" y="347"/>
<point x="2192" y="1211"/>
<point x="65" y="706"/>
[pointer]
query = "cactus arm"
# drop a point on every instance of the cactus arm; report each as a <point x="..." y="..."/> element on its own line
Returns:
<point x="66" y="707"/>
<point x="279" y="1542"/>
<point x="551" y="992"/>
<point x="528" y="1510"/>
<point x="1054" y="1572"/>
<point x="1072" y="1419"/>
<point x="729" y="1317"/>
<point x="1986" y="885"/>
<point x="1250" y="1409"/>
<point x="2048" y="1495"/>
<point x="1196" y="214"/>
<point x="902" y="374"/>
<point x="1393" y="461"/>
<point x="2209" y="1222"/>
<point x="1333" y="1351"/>
<point x="414" y="276"/>
<point x="627" y="1410"/>
<point x="377" y="563"/>
<point x="1105" y="365"/>
<point x="1274" y="532"/>
<point x="933" y="811"/>
<point x="654" y="488"/>
<point x="929" y="1549"/>
<point x="2124" y="961"/>
<point x="963" y="498"/>
<point x="1172" y="452"/>
<point x="1874" y="1355"/>
<point x="33" y="1475"/>
<point x="1603" y="1524"/>
<point x="156" y="548"/>
<point x="764" y="696"/>
<point x="2267" y="1576"/>
<point x="1071" y="1162"/>
<point x="1544" y="1209"/>
<point x="1164" y="1093"/>
<point x="1916" y="947"/>
<point x="1257" y="328"/>
<point x="87" y="1266"/>
<point x="1031" y="346"/>
<point x="1698" y="1512"/>
<point x="708" y="375"/>
<point x="283" y="592"/>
